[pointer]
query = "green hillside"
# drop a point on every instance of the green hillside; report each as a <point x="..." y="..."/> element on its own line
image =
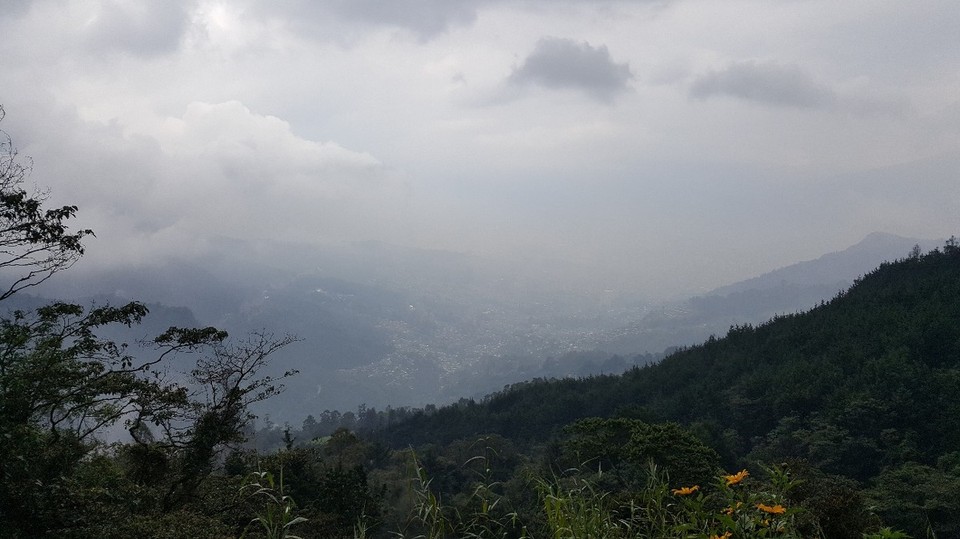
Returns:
<point x="865" y="386"/>
<point x="887" y="349"/>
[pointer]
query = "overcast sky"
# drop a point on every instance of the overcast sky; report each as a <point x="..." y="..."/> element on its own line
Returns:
<point x="662" y="145"/>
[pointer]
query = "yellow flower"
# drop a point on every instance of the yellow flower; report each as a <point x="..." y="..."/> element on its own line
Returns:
<point x="685" y="490"/>
<point x="774" y="510"/>
<point x="726" y="535"/>
<point x="736" y="478"/>
<point x="730" y="510"/>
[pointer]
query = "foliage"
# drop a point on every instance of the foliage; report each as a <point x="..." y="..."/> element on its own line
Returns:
<point x="833" y="506"/>
<point x="919" y="498"/>
<point x="276" y="516"/>
<point x="481" y="516"/>
<point x="35" y="242"/>
<point x="62" y="385"/>
<point x="620" y="446"/>
<point x="333" y="493"/>
<point x="575" y="508"/>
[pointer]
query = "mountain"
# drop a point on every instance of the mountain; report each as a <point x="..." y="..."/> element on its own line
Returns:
<point x="840" y="268"/>
<point x="790" y="289"/>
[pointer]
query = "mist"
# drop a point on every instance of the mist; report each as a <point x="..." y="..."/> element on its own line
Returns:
<point x="589" y="160"/>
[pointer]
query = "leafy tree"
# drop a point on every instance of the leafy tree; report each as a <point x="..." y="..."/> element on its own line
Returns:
<point x="35" y="242"/>
<point x="833" y="506"/>
<point x="62" y="385"/>
<point x="919" y="498"/>
<point x="627" y="446"/>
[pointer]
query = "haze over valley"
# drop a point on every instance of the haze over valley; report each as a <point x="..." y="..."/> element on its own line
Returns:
<point x="387" y="326"/>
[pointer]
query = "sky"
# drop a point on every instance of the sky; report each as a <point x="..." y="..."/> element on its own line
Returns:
<point x="660" y="146"/>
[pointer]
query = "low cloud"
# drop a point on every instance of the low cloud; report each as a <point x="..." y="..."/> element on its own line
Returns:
<point x="560" y="63"/>
<point x="242" y="173"/>
<point x="218" y="169"/>
<point x="768" y="83"/>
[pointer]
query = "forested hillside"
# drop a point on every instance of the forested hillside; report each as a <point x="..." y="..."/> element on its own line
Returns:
<point x="866" y="386"/>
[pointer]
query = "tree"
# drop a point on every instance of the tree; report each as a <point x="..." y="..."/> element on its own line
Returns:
<point x="35" y="242"/>
<point x="625" y="446"/>
<point x="918" y="498"/>
<point x="62" y="385"/>
<point x="227" y="383"/>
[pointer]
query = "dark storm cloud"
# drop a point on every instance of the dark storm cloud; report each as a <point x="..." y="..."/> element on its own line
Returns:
<point x="565" y="63"/>
<point x="142" y="29"/>
<point x="768" y="83"/>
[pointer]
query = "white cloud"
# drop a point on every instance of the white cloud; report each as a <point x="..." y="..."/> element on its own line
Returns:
<point x="218" y="169"/>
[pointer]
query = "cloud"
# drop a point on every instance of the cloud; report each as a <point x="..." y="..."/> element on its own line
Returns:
<point x="140" y="28"/>
<point x="258" y="145"/>
<point x="768" y="83"/>
<point x="233" y="171"/>
<point x="563" y="63"/>
<point x="426" y="18"/>
<point x="217" y="169"/>
<point x="300" y="117"/>
<point x="14" y="8"/>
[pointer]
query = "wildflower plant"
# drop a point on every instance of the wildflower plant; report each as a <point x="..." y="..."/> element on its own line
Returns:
<point x="734" y="507"/>
<point x="574" y="506"/>
<point x="749" y="511"/>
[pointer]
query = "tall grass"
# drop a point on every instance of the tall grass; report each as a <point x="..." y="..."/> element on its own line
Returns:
<point x="276" y="515"/>
<point x="573" y="507"/>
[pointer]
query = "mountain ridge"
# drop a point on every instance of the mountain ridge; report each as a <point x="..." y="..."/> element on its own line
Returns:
<point x="838" y="266"/>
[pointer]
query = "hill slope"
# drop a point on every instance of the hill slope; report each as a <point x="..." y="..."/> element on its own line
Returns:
<point x="867" y="381"/>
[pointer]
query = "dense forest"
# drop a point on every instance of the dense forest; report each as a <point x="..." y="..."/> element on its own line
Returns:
<point x="861" y="395"/>
<point x="839" y="422"/>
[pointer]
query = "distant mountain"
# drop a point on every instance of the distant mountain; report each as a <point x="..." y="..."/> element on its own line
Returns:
<point x="790" y="289"/>
<point x="839" y="268"/>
